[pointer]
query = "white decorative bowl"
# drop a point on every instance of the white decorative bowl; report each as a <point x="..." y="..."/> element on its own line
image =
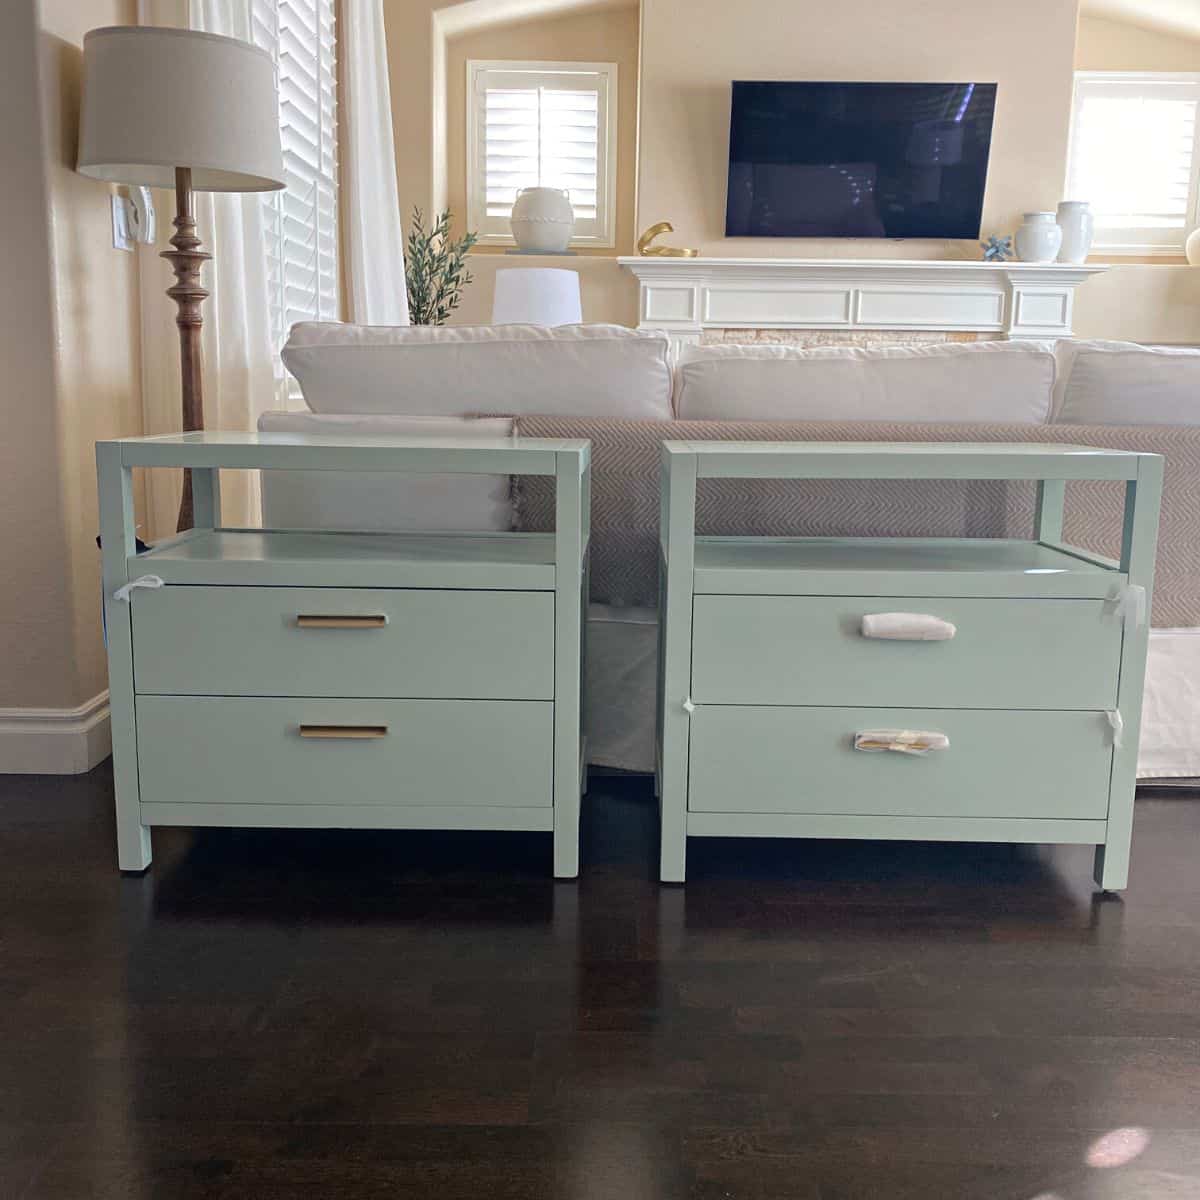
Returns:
<point x="543" y="220"/>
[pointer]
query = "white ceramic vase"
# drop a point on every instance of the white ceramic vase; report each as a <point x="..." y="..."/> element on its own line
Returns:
<point x="543" y="220"/>
<point x="1039" y="238"/>
<point x="1192" y="248"/>
<point x="1075" y="221"/>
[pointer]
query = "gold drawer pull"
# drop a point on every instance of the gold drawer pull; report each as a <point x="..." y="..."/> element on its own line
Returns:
<point x="322" y="621"/>
<point x="340" y="732"/>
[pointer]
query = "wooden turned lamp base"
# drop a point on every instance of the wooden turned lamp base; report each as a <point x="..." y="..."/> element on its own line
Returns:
<point x="187" y="258"/>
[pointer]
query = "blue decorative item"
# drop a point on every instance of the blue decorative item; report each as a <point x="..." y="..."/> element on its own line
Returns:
<point x="997" y="249"/>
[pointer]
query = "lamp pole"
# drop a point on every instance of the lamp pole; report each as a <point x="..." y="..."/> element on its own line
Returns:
<point x="187" y="258"/>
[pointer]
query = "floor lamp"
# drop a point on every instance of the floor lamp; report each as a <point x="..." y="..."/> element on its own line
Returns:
<point x="189" y="110"/>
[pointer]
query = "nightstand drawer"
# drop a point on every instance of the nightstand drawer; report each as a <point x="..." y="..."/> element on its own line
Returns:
<point x="252" y="641"/>
<point x="1052" y="654"/>
<point x="803" y="760"/>
<point x="461" y="753"/>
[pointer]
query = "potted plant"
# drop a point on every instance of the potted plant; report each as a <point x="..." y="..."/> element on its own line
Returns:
<point x="436" y="270"/>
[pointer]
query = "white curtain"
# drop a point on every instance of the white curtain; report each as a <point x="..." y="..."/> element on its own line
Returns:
<point x="373" y="237"/>
<point x="238" y="354"/>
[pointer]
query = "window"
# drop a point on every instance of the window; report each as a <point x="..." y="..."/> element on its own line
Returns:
<point x="301" y="220"/>
<point x="1135" y="156"/>
<point x="542" y="125"/>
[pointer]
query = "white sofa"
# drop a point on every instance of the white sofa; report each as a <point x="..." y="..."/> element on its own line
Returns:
<point x="384" y="379"/>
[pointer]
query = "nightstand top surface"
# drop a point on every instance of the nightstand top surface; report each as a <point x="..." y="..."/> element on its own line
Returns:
<point x="343" y="452"/>
<point x="906" y="460"/>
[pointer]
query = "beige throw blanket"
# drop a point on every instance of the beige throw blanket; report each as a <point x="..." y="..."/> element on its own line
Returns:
<point x="625" y="500"/>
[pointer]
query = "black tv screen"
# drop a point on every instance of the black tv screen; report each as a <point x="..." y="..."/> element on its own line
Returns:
<point x="865" y="160"/>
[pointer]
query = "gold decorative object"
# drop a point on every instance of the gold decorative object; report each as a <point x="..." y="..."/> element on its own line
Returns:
<point x="648" y="251"/>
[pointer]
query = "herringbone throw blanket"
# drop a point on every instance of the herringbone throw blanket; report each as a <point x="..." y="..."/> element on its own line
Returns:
<point x="625" y="498"/>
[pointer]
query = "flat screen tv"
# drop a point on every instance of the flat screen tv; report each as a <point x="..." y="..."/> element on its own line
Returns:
<point x="858" y="160"/>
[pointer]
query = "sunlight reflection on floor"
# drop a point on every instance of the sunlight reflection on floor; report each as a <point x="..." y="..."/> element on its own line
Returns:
<point x="1117" y="1147"/>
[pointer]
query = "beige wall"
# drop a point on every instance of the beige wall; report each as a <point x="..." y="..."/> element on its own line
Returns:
<point x="691" y="49"/>
<point x="603" y="36"/>
<point x="1105" y="45"/>
<point x="1138" y="301"/>
<point x="70" y="353"/>
<point x="408" y="26"/>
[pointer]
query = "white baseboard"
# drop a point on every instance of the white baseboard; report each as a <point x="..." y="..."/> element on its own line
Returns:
<point x="55" y="741"/>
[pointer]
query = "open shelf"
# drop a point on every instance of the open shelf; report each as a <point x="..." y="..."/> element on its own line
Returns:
<point x="279" y="558"/>
<point x="897" y="566"/>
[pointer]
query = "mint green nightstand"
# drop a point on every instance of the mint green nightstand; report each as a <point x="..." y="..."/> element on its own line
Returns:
<point x="345" y="680"/>
<point x="770" y="675"/>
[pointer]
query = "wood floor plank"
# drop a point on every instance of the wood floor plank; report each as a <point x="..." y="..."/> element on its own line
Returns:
<point x="275" y="1014"/>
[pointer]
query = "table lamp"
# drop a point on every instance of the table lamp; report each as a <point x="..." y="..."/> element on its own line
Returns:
<point x="177" y="107"/>
<point x="537" y="296"/>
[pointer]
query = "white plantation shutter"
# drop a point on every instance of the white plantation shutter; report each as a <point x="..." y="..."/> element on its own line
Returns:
<point x="301" y="220"/>
<point x="541" y="125"/>
<point x="1135" y="156"/>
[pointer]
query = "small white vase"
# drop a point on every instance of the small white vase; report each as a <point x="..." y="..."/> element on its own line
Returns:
<point x="543" y="220"/>
<point x="1075" y="221"/>
<point x="1192" y="248"/>
<point x="1039" y="238"/>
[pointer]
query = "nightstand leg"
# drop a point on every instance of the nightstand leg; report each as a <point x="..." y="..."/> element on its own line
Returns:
<point x="1110" y="868"/>
<point x="1138" y="544"/>
<point x="570" y="538"/>
<point x="117" y="543"/>
<point x="677" y="534"/>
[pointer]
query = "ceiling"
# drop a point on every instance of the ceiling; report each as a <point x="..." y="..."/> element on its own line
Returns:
<point x="1164" y="16"/>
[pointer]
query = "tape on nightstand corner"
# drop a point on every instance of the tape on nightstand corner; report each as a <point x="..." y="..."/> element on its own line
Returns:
<point x="1130" y="605"/>
<point x="142" y="581"/>
<point x="1117" y="724"/>
<point x="1133" y="603"/>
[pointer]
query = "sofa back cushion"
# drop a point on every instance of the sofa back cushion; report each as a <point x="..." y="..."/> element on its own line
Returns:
<point x="421" y="370"/>
<point x="1065" y="352"/>
<point x="1131" y="385"/>
<point x="382" y="501"/>
<point x="1009" y="382"/>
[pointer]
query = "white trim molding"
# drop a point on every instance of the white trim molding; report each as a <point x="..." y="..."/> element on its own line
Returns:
<point x="55" y="741"/>
<point x="685" y="296"/>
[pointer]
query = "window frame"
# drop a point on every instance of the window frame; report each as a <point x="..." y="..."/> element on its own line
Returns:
<point x="325" y="201"/>
<point x="1146" y="242"/>
<point x="478" y="71"/>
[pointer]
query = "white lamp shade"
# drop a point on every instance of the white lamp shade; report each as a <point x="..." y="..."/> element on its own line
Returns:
<point x="537" y="296"/>
<point x="157" y="99"/>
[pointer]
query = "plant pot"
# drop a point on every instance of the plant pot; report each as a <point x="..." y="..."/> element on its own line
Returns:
<point x="543" y="220"/>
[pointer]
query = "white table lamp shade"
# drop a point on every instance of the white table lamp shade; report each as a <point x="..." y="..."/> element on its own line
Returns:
<point x="537" y="296"/>
<point x="157" y="99"/>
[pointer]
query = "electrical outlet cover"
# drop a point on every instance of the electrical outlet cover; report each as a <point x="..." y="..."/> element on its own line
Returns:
<point x="122" y="238"/>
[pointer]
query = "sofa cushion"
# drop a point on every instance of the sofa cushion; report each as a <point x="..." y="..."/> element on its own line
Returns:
<point x="381" y="501"/>
<point x="1132" y="385"/>
<point x="1065" y="352"/>
<point x="1010" y="382"/>
<point x="421" y="370"/>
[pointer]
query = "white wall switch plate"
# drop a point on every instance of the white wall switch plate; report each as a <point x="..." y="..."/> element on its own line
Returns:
<point x="122" y="238"/>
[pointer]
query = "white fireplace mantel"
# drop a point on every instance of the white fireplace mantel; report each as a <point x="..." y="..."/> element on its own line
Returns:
<point x="686" y="296"/>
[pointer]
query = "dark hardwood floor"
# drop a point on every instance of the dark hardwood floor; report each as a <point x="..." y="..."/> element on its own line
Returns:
<point x="369" y="1015"/>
